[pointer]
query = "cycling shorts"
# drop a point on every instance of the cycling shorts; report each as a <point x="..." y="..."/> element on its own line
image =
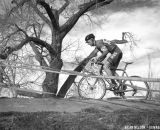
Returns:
<point x="115" y="58"/>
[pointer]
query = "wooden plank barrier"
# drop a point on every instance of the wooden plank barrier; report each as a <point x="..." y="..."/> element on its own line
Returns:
<point x="70" y="72"/>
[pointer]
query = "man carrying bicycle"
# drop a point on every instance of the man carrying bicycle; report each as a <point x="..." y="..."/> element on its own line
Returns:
<point x="105" y="47"/>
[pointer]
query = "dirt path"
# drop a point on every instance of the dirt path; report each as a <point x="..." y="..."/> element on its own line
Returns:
<point x="73" y="105"/>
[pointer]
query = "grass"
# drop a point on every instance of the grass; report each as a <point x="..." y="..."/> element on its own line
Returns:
<point x="87" y="119"/>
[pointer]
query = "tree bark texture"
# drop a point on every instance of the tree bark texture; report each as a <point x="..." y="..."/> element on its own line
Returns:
<point x="50" y="83"/>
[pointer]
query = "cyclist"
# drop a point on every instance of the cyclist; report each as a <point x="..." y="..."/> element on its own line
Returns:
<point x="105" y="47"/>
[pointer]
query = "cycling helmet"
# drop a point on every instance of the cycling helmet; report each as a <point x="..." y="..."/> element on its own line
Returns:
<point x="89" y="36"/>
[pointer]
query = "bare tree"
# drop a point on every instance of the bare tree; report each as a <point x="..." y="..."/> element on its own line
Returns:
<point x="25" y="30"/>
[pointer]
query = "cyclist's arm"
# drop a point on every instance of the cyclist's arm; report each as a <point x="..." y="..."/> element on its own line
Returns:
<point x="103" y="56"/>
<point x="119" y="41"/>
<point x="93" y="54"/>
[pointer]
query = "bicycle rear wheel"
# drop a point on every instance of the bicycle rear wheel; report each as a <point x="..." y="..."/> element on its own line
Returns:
<point x="94" y="88"/>
<point x="136" y="89"/>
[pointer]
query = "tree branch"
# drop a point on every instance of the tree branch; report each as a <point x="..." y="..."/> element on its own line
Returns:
<point x="19" y="29"/>
<point x="21" y="3"/>
<point x="97" y="5"/>
<point x="8" y="36"/>
<point x="50" y="13"/>
<point x="45" y="19"/>
<point x="63" y="7"/>
<point x="34" y="29"/>
<point x="39" y="56"/>
<point x="18" y="5"/>
<point x="84" y="8"/>
<point x="40" y="42"/>
<point x="8" y="50"/>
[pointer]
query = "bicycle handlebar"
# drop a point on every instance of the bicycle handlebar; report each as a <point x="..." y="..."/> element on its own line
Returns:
<point x="99" y="63"/>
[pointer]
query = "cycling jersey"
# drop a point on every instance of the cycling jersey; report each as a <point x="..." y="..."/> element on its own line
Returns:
<point x="116" y="53"/>
<point x="103" y="45"/>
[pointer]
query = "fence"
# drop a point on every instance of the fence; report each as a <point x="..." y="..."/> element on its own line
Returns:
<point x="69" y="72"/>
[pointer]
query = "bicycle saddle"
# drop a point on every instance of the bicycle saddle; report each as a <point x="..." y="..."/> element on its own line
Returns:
<point x="127" y="62"/>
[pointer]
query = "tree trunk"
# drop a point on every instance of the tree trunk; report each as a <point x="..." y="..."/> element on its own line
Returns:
<point x="50" y="83"/>
<point x="2" y="67"/>
<point x="65" y="87"/>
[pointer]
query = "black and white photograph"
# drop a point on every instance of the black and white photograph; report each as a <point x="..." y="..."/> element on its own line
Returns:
<point x="79" y="65"/>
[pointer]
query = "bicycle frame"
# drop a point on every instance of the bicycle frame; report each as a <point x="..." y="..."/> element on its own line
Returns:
<point x="124" y="73"/>
<point x="119" y="90"/>
<point x="123" y="70"/>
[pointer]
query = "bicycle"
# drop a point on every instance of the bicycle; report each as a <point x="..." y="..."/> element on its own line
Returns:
<point x="96" y="88"/>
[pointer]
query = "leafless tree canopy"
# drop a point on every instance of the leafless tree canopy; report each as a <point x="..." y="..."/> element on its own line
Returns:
<point x="30" y="21"/>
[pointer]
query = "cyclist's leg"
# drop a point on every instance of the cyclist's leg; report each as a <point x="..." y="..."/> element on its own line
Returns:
<point x="113" y="62"/>
<point x="107" y="68"/>
<point x="116" y="62"/>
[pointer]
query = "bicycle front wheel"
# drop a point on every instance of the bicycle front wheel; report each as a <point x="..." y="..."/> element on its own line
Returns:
<point x="94" y="88"/>
<point x="137" y="89"/>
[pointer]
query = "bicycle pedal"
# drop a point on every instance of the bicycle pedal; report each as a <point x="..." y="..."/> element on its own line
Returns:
<point x="124" y="87"/>
<point x="115" y="93"/>
<point x="122" y="94"/>
<point x="114" y="86"/>
<point x="111" y="87"/>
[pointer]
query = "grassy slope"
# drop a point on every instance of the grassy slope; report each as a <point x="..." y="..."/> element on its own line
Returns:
<point x="87" y="119"/>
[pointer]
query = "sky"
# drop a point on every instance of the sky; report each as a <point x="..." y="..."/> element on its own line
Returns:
<point x="142" y="20"/>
